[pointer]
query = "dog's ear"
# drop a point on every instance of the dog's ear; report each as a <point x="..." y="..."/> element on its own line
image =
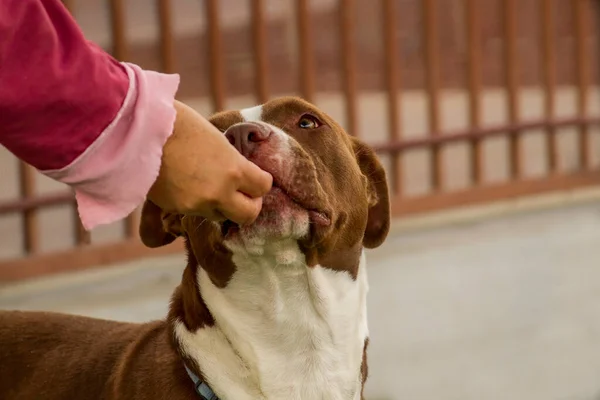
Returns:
<point x="378" y="222"/>
<point x="158" y="228"/>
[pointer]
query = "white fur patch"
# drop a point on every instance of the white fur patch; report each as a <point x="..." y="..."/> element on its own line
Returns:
<point x="252" y="114"/>
<point x="283" y="330"/>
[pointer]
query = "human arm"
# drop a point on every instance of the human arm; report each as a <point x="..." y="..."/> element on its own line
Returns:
<point x="79" y="116"/>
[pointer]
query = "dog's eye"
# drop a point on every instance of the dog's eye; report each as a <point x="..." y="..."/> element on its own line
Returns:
<point x="308" y="122"/>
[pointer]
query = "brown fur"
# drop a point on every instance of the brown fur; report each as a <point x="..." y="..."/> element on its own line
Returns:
<point x="51" y="356"/>
<point x="57" y="357"/>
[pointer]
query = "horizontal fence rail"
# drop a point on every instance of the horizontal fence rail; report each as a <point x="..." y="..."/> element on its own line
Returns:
<point x="295" y="51"/>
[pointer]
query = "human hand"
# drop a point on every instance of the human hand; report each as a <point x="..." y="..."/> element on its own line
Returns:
<point x="203" y="174"/>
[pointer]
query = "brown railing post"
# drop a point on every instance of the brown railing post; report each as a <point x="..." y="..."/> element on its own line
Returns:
<point x="306" y="57"/>
<point x="132" y="224"/>
<point x="391" y="52"/>
<point x="347" y="15"/>
<point x="512" y="69"/>
<point x="549" y="71"/>
<point x="167" y="56"/>
<point x="260" y="50"/>
<point x="581" y="24"/>
<point x="474" y="71"/>
<point x="120" y="52"/>
<point x="70" y="5"/>
<point x="117" y="19"/>
<point x="215" y="55"/>
<point x="432" y="49"/>
<point x="30" y="221"/>
<point x="82" y="237"/>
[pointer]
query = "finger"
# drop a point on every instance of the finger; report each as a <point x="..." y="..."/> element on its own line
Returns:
<point x="216" y="216"/>
<point x="255" y="182"/>
<point x="241" y="209"/>
<point x="211" y="215"/>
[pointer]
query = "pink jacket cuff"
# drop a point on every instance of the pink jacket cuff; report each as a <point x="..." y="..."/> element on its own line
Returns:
<point x="112" y="176"/>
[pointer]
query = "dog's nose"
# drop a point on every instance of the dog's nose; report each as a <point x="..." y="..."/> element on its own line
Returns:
<point x="247" y="136"/>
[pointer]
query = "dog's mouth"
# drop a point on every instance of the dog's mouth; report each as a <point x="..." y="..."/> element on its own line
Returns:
<point x="228" y="228"/>
<point x="317" y="216"/>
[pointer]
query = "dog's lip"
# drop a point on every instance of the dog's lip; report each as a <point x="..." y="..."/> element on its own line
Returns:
<point x="316" y="216"/>
<point x="228" y="227"/>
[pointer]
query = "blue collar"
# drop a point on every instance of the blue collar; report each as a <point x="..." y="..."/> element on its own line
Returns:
<point x="202" y="388"/>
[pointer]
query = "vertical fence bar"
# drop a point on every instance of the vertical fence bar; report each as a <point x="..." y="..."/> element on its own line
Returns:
<point x="511" y="68"/>
<point x="432" y="76"/>
<point x="260" y="50"/>
<point x="30" y="225"/>
<point x="70" y="5"/>
<point x="347" y="13"/>
<point x="167" y="55"/>
<point x="392" y="80"/>
<point x="132" y="224"/>
<point x="82" y="237"/>
<point x="117" y="18"/>
<point x="307" y="73"/>
<point x="549" y="71"/>
<point x="474" y="71"/>
<point x="215" y="54"/>
<point x="120" y="52"/>
<point x="581" y="24"/>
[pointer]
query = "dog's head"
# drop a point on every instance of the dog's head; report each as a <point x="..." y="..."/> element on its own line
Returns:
<point x="329" y="193"/>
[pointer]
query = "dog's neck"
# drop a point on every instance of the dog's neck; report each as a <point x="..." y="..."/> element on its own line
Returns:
<point x="281" y="329"/>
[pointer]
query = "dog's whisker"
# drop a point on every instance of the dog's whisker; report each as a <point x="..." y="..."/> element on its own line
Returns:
<point x="199" y="225"/>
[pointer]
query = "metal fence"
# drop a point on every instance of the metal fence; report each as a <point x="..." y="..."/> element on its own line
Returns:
<point x="505" y="46"/>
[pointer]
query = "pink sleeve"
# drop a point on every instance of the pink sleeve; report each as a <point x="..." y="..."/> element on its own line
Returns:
<point x="78" y="115"/>
<point x="114" y="174"/>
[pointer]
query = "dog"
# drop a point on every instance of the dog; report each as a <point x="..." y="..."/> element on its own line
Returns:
<point x="272" y="310"/>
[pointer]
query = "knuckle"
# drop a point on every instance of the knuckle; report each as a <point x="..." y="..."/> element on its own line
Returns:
<point x="235" y="173"/>
<point x="186" y="205"/>
<point x="212" y="198"/>
<point x="218" y="216"/>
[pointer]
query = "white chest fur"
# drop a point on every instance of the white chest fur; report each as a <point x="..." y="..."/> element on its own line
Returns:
<point x="282" y="331"/>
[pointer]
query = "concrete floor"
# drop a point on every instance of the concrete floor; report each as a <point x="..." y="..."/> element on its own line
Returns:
<point x="506" y="308"/>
